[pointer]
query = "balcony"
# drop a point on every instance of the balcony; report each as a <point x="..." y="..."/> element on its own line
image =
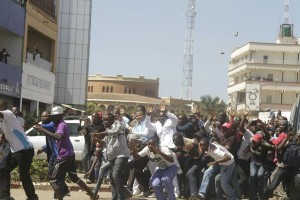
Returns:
<point x="38" y="61"/>
<point x="262" y="61"/>
<point x="46" y="5"/>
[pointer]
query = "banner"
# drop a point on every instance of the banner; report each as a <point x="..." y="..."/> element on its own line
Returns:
<point x="252" y="96"/>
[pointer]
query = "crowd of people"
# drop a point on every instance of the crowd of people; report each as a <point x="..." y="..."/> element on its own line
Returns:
<point x="226" y="156"/>
<point x="156" y="153"/>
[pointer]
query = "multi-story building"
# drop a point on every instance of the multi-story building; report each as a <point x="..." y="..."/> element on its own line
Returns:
<point x="12" y="22"/>
<point x="39" y="54"/>
<point x="111" y="91"/>
<point x="73" y="52"/>
<point x="107" y="92"/>
<point x="266" y="76"/>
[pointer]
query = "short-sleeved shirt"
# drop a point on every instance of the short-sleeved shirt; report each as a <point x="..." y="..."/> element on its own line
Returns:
<point x="157" y="158"/>
<point x="217" y="152"/>
<point x="64" y="145"/>
<point x="14" y="132"/>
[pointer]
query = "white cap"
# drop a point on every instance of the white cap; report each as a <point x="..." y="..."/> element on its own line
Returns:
<point x="57" y="110"/>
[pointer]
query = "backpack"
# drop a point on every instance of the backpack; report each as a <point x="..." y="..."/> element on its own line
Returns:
<point x="291" y="156"/>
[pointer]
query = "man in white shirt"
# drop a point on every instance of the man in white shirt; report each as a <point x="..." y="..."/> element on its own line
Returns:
<point x="225" y="160"/>
<point x="22" y="152"/>
<point x="166" y="170"/>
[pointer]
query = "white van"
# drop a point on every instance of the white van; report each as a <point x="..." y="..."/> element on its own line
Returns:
<point x="38" y="139"/>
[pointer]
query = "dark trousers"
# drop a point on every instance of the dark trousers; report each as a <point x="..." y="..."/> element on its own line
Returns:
<point x="117" y="167"/>
<point x="23" y="159"/>
<point x="137" y="167"/>
<point x="280" y="174"/>
<point x="59" y="171"/>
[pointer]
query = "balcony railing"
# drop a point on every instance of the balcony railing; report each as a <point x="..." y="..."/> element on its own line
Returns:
<point x="46" y="5"/>
<point x="264" y="61"/>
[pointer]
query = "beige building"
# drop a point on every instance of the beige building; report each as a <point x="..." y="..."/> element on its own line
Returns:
<point x="107" y="92"/>
<point x="266" y="75"/>
<point x="39" y="55"/>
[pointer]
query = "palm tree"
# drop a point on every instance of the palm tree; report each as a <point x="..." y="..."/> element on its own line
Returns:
<point x="209" y="104"/>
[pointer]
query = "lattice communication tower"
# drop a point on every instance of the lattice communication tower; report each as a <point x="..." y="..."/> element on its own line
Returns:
<point x="187" y="73"/>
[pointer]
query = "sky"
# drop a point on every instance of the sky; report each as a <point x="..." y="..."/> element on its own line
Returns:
<point x="146" y="38"/>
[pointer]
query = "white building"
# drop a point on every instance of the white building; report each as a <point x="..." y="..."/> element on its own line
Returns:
<point x="266" y="75"/>
<point x="73" y="52"/>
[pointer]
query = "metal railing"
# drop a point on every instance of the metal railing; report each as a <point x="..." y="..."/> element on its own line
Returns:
<point x="264" y="61"/>
<point x="46" y="5"/>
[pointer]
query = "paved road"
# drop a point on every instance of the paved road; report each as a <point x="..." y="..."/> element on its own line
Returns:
<point x="19" y="194"/>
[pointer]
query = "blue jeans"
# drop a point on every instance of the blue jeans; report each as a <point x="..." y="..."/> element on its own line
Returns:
<point x="229" y="181"/>
<point x="164" y="178"/>
<point x="207" y="178"/>
<point x="257" y="178"/>
<point x="86" y="159"/>
<point x="102" y="171"/>
<point x="117" y="167"/>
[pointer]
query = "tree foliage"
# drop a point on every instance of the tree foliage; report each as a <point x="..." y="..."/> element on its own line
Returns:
<point x="209" y="104"/>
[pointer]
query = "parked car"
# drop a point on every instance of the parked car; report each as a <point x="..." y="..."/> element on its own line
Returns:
<point x="38" y="139"/>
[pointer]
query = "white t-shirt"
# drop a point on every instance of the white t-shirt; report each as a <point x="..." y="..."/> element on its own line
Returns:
<point x="157" y="158"/>
<point x="244" y="145"/>
<point x="14" y="132"/>
<point x="217" y="152"/>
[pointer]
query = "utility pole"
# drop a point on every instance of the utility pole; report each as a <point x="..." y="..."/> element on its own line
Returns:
<point x="187" y="73"/>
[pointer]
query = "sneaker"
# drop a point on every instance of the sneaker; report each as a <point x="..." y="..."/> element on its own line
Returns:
<point x="202" y="196"/>
<point x="152" y="195"/>
<point x="89" y="181"/>
<point x="196" y="196"/>
<point x="136" y="193"/>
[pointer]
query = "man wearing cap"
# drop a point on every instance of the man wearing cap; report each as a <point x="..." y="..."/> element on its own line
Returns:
<point x="65" y="161"/>
<point x="22" y="153"/>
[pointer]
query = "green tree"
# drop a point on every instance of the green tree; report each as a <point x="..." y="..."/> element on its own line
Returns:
<point x="209" y="104"/>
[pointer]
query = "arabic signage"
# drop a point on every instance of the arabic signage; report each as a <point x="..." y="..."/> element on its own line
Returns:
<point x="10" y="80"/>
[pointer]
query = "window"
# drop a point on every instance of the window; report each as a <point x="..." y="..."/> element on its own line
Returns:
<point x="107" y="89"/>
<point x="269" y="99"/>
<point x="111" y="88"/>
<point x="125" y="90"/>
<point x="89" y="88"/>
<point x="146" y="92"/>
<point x="133" y="91"/>
<point x="265" y="59"/>
<point x="129" y="91"/>
<point x="92" y="88"/>
<point x="103" y="88"/>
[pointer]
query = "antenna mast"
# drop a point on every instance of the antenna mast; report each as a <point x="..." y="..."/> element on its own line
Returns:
<point x="286" y="11"/>
<point x="187" y="73"/>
